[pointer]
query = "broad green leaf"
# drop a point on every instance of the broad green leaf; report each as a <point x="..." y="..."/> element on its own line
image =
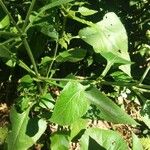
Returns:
<point x="71" y="105"/>
<point x="77" y="126"/>
<point x="109" y="38"/>
<point x="99" y="139"/>
<point x="25" y="131"/>
<point x="59" y="142"/>
<point x="4" y="22"/>
<point x="109" y="110"/>
<point x="4" y="52"/>
<point x="136" y="144"/>
<point x="86" y="11"/>
<point x="72" y="55"/>
<point x="145" y="113"/>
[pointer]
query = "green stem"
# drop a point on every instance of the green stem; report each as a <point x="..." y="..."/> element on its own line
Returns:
<point x="139" y="95"/>
<point x="25" y="42"/>
<point x="135" y="85"/>
<point x="28" y="15"/>
<point x="122" y="84"/>
<point x="47" y="80"/>
<point x="8" y="41"/>
<point x="24" y="66"/>
<point x="56" y="48"/>
<point x="141" y="89"/>
<point x="107" y="68"/>
<point x="145" y="73"/>
<point x="61" y="79"/>
<point x="144" y="86"/>
<point x="23" y="39"/>
<point x="12" y="19"/>
<point x="54" y="58"/>
<point x="9" y="34"/>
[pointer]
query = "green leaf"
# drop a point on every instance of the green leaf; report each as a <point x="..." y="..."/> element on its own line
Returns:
<point x="136" y="145"/>
<point x="86" y="11"/>
<point x="119" y="76"/>
<point x="145" y="113"/>
<point x="46" y="60"/>
<point x="109" y="110"/>
<point x="23" y="103"/>
<point x="77" y="126"/>
<point x="4" y="22"/>
<point x="71" y="105"/>
<point x="72" y="55"/>
<point x="109" y="38"/>
<point x="25" y="131"/>
<point x="54" y="4"/>
<point x="47" y="101"/>
<point x="5" y="52"/>
<point x="47" y="29"/>
<point x="26" y="79"/>
<point x="11" y="63"/>
<point x="59" y="142"/>
<point x="99" y="139"/>
<point x="45" y="8"/>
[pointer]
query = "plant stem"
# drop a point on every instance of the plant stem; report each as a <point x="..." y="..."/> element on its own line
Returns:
<point x="145" y="73"/>
<point x="23" y="38"/>
<point x="135" y="85"/>
<point x="7" y="41"/>
<point x="107" y="68"/>
<point x="9" y="34"/>
<point x="24" y="66"/>
<point x="28" y="15"/>
<point x="139" y="95"/>
<point x="144" y="86"/>
<point x="12" y="19"/>
<point x="25" y="42"/>
<point x="54" y="58"/>
<point x="61" y="79"/>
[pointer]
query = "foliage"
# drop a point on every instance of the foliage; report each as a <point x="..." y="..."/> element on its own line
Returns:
<point x="71" y="61"/>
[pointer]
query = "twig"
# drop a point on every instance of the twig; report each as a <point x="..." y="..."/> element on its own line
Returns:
<point x="145" y="73"/>
<point x="28" y="15"/>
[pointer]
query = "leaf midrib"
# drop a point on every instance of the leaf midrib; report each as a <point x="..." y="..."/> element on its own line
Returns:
<point x="17" y="135"/>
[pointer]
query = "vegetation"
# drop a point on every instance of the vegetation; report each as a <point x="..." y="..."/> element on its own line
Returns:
<point x="74" y="74"/>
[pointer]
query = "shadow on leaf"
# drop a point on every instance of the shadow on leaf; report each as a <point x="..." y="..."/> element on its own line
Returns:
<point x="32" y="127"/>
<point x="93" y="145"/>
